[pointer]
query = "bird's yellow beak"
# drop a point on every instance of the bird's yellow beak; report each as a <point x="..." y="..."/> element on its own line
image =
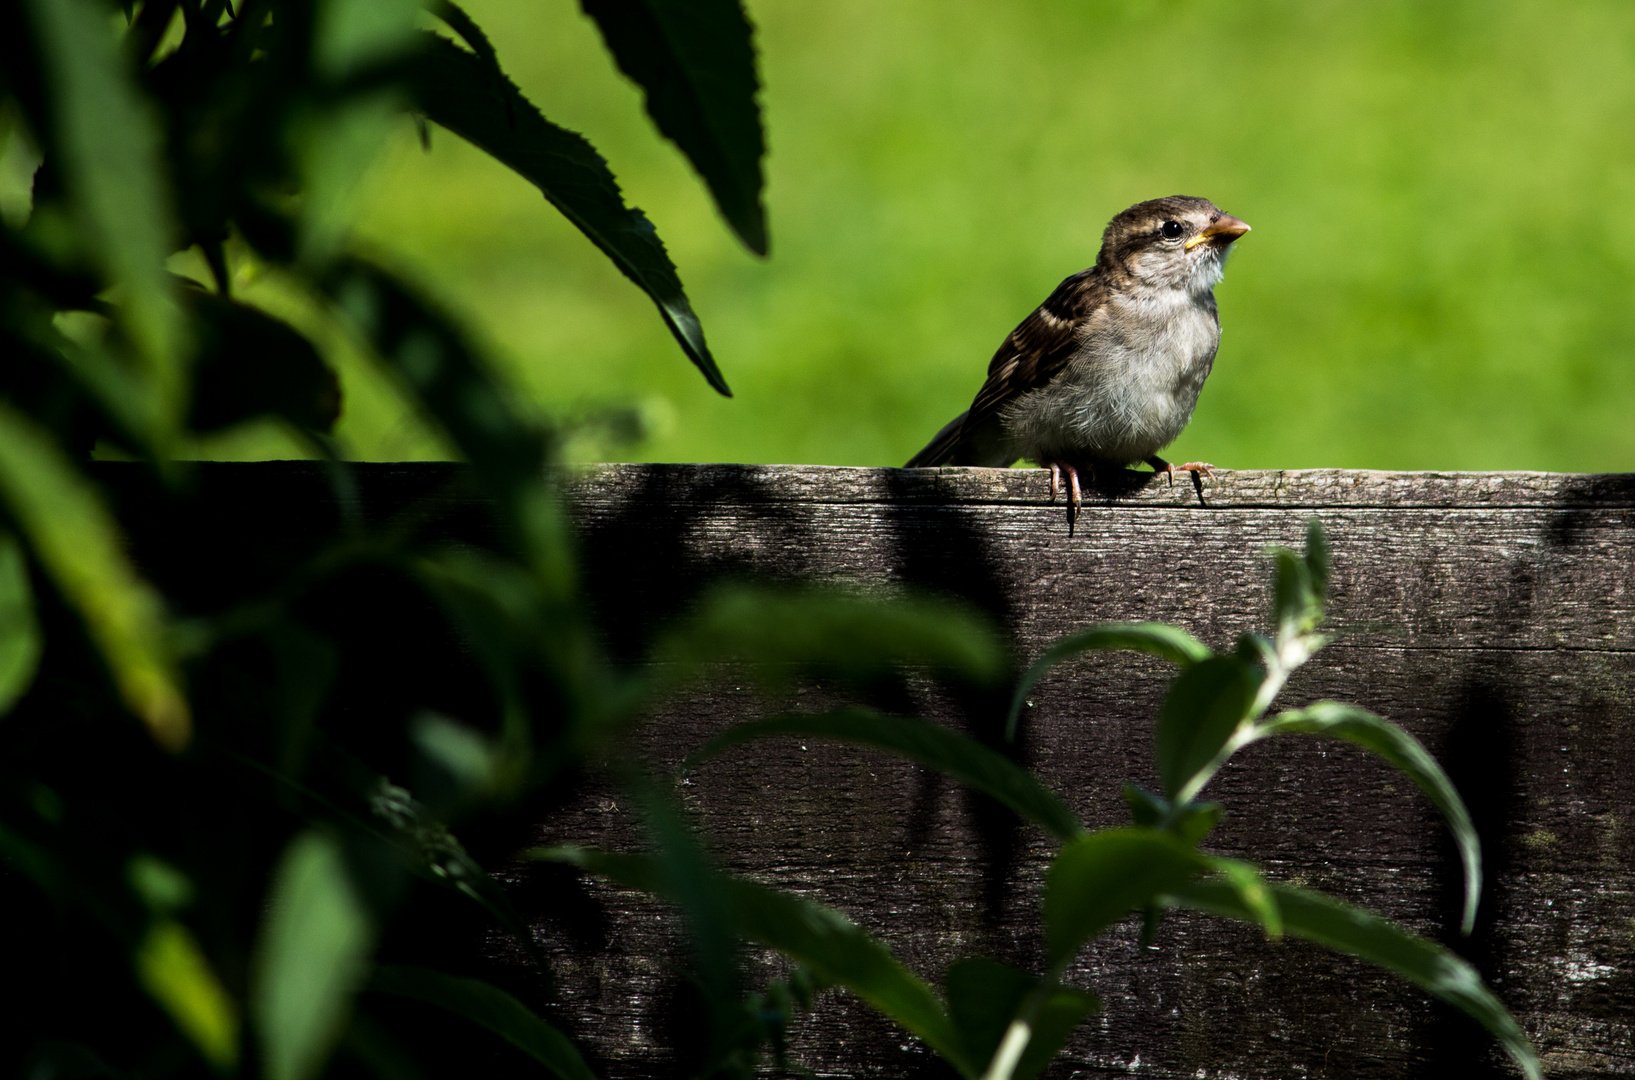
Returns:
<point x="1227" y="226"/>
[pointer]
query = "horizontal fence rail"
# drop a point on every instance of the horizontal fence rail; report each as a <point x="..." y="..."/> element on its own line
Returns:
<point x="1491" y="614"/>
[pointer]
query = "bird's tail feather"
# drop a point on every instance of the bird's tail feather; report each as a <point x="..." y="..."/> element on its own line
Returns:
<point x="941" y="447"/>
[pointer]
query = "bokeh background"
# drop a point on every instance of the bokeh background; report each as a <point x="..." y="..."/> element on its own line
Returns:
<point x="1441" y="273"/>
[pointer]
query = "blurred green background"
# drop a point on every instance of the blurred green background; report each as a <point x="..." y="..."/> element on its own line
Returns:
<point x="1441" y="272"/>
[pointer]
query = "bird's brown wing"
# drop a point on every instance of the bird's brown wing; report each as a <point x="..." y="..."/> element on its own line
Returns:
<point x="1030" y="357"/>
<point x="1040" y="347"/>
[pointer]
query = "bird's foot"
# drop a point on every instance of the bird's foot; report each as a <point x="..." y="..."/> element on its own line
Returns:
<point x="1075" y="492"/>
<point x="1159" y="465"/>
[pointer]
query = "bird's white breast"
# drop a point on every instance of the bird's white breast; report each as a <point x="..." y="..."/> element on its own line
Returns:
<point x="1132" y="385"/>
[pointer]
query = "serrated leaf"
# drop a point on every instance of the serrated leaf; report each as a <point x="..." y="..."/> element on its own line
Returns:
<point x="175" y="972"/>
<point x="74" y="537"/>
<point x="315" y="941"/>
<point x="472" y="98"/>
<point x="108" y="145"/>
<point x="1409" y="757"/>
<point x="957" y="755"/>
<point x="491" y="1008"/>
<point x="822" y="940"/>
<point x="1359" y="933"/>
<point x="695" y="63"/>
<point x="1155" y="639"/>
<point x="1098" y="879"/>
<point x="781" y="631"/>
<point x="19" y="631"/>
<point x="1204" y="708"/>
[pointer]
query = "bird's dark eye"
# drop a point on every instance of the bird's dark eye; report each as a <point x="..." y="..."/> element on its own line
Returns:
<point x="1172" y="230"/>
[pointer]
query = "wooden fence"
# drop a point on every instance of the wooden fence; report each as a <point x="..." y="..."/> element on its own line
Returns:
<point x="1492" y="614"/>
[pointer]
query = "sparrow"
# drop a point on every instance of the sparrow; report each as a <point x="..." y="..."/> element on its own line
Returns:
<point x="1108" y="369"/>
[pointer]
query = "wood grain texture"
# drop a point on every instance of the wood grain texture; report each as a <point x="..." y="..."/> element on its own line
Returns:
<point x="1490" y="614"/>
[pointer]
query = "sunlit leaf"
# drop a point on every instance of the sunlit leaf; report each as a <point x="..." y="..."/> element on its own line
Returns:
<point x="783" y="631"/>
<point x="822" y="940"/>
<point x="19" y="631"/>
<point x="489" y="1007"/>
<point x="175" y="972"/>
<point x="1205" y="705"/>
<point x="1408" y="756"/>
<point x="108" y="143"/>
<point x="1254" y="892"/>
<point x="316" y="937"/>
<point x="468" y="95"/>
<point x="960" y="756"/>
<point x="695" y="63"/>
<point x="1098" y="879"/>
<point x="1358" y="933"/>
<point x="1156" y="639"/>
<point x="75" y="539"/>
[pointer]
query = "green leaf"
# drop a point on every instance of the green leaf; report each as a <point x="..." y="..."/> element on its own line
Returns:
<point x="1358" y="933"/>
<point x="1098" y="879"/>
<point x="19" y="631"/>
<point x="695" y="63"/>
<point x="489" y="1007"/>
<point x="960" y="756"/>
<point x="315" y="941"/>
<point x="840" y="952"/>
<point x="74" y="537"/>
<point x="108" y="144"/>
<point x="175" y="972"/>
<point x="782" y="631"/>
<point x="1204" y="707"/>
<point x="822" y="940"/>
<point x="1317" y="559"/>
<point x="986" y="996"/>
<point x="472" y="98"/>
<point x="1156" y="639"/>
<point x="1195" y="821"/>
<point x="1253" y="891"/>
<point x="1408" y="756"/>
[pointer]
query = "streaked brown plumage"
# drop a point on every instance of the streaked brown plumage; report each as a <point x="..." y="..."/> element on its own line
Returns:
<point x="1107" y="370"/>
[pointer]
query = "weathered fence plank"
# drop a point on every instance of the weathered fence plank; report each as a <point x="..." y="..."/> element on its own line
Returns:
<point x="1491" y="614"/>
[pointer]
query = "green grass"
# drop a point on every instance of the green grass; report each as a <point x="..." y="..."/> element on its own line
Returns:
<point x="1440" y="274"/>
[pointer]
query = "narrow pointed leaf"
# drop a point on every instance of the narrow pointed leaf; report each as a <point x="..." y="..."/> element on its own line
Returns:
<point x="781" y="631"/>
<point x="960" y="756"/>
<point x="19" y="630"/>
<point x="1204" y="707"/>
<point x="175" y="972"/>
<point x="1254" y="892"/>
<point x="489" y="1007"/>
<point x="315" y="942"/>
<point x="471" y="97"/>
<point x="250" y="364"/>
<point x="1098" y="879"/>
<point x="108" y="145"/>
<point x="1408" y="756"/>
<point x="1358" y="933"/>
<point x="822" y="940"/>
<point x="986" y="996"/>
<point x="74" y="537"/>
<point x="695" y="63"/>
<point x="1156" y="639"/>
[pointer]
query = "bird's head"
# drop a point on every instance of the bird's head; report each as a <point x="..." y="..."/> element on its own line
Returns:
<point x="1178" y="242"/>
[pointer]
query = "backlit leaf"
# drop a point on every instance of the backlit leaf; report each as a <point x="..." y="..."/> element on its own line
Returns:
<point x="74" y="537"/>
<point x="19" y="631"/>
<point x="175" y="972"/>
<point x="315" y="941"/>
